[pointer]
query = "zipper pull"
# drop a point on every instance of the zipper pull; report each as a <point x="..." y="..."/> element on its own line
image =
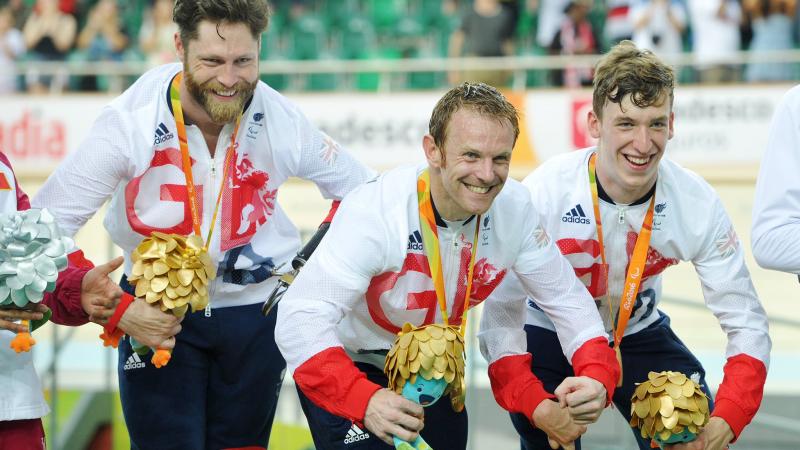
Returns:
<point x="621" y="216"/>
<point x="208" y="310"/>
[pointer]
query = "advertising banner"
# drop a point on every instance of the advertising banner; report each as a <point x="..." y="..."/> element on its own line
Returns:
<point x="714" y="126"/>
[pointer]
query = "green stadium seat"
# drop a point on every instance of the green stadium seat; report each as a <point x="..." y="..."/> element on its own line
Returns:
<point x="535" y="78"/>
<point x="272" y="39"/>
<point x="131" y="12"/>
<point x="527" y="27"/>
<point x="372" y="81"/>
<point x="272" y="48"/>
<point x="338" y="13"/>
<point x="278" y="23"/>
<point x="323" y="81"/>
<point x="597" y="17"/>
<point x="306" y="37"/>
<point x="356" y="39"/>
<point x="526" y="45"/>
<point x="425" y="80"/>
<point x="385" y="15"/>
<point x="442" y="33"/>
<point x="412" y="42"/>
<point x="409" y="37"/>
<point x="687" y="74"/>
<point x="429" y="13"/>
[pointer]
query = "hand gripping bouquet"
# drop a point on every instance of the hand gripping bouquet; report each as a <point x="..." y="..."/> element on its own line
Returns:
<point x="172" y="272"/>
<point x="425" y="363"/>
<point x="32" y="252"/>
<point x="669" y="408"/>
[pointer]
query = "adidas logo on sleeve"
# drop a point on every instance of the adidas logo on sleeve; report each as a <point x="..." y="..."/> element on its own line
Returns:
<point x="355" y="434"/>
<point x="162" y="134"/>
<point x="133" y="362"/>
<point x="575" y="215"/>
<point x="415" y="241"/>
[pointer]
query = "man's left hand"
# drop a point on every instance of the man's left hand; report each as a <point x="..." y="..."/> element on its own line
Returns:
<point x="100" y="295"/>
<point x="585" y="397"/>
<point x="715" y="436"/>
<point x="8" y="317"/>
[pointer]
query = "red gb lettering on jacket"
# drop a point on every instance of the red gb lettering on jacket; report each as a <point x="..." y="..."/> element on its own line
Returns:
<point x="163" y="183"/>
<point x="420" y="294"/>
<point x="246" y="204"/>
<point x="656" y="262"/>
<point x="584" y="256"/>
<point x="246" y="201"/>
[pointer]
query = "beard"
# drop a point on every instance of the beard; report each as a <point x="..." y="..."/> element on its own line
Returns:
<point x="220" y="112"/>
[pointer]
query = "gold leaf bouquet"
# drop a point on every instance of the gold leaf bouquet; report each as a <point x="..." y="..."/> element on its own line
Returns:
<point x="669" y="408"/>
<point x="432" y="352"/>
<point x="173" y="272"/>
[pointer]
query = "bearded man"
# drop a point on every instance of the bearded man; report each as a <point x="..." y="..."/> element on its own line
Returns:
<point x="201" y="148"/>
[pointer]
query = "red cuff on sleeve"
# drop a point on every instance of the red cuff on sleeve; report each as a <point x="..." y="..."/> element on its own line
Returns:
<point x="124" y="302"/>
<point x="516" y="389"/>
<point x="731" y="413"/>
<point x="531" y="397"/>
<point x="739" y="396"/>
<point x="78" y="259"/>
<point x="65" y="300"/>
<point x="595" y="359"/>
<point x="334" y="383"/>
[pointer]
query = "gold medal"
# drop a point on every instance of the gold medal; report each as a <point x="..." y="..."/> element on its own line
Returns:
<point x="173" y="272"/>
<point x="667" y="406"/>
<point x="433" y="351"/>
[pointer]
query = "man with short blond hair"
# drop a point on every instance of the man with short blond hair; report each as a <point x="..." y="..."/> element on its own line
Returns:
<point x="421" y="245"/>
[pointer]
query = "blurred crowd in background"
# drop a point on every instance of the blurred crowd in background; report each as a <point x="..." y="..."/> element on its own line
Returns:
<point x="142" y="30"/>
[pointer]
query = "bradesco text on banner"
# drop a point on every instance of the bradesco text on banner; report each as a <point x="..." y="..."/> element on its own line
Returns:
<point x="713" y="125"/>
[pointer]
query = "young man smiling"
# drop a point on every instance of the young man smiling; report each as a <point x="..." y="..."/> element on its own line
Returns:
<point x="240" y="140"/>
<point x="644" y="213"/>
<point x="370" y="276"/>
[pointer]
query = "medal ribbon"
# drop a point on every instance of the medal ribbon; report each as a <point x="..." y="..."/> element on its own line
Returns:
<point x="430" y="242"/>
<point x="174" y="96"/>
<point x="637" y="263"/>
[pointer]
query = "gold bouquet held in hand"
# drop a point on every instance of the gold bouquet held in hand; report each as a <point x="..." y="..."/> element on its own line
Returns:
<point x="433" y="352"/>
<point x="173" y="272"/>
<point x="669" y="407"/>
